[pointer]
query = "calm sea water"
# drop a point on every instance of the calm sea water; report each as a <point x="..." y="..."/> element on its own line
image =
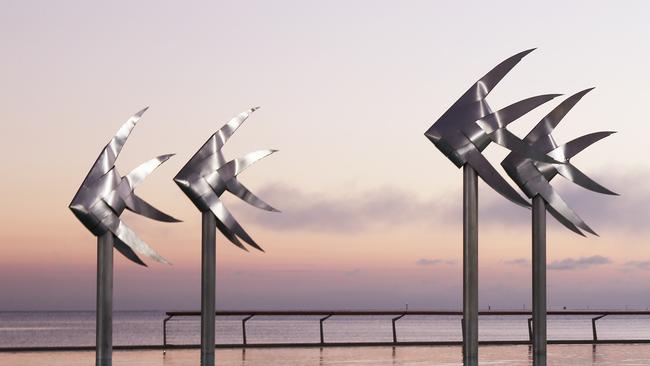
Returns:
<point x="558" y="355"/>
<point x="145" y="328"/>
<point x="19" y="329"/>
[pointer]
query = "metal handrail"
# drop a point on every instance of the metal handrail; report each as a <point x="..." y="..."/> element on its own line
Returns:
<point x="398" y="314"/>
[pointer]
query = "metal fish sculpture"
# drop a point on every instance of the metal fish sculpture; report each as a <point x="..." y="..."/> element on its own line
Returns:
<point x="533" y="177"/>
<point x="105" y="194"/>
<point x="469" y="126"/>
<point x="207" y="175"/>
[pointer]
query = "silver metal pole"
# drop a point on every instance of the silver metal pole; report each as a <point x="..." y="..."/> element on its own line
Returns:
<point x="470" y="266"/>
<point x="208" y="278"/>
<point x="104" y="312"/>
<point x="539" y="280"/>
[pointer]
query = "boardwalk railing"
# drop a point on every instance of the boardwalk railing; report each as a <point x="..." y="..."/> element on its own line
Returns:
<point x="397" y="315"/>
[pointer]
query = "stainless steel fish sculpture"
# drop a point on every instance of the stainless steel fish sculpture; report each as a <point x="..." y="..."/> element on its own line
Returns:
<point x="469" y="126"/>
<point x="105" y="194"/>
<point x="533" y="177"/>
<point x="207" y="175"/>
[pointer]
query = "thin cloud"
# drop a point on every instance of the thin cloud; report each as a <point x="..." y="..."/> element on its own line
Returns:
<point x="432" y="262"/>
<point x="644" y="265"/>
<point x="362" y="211"/>
<point x="569" y="264"/>
<point x="627" y="212"/>
<point x="353" y="272"/>
<point x="346" y="214"/>
<point x="521" y="262"/>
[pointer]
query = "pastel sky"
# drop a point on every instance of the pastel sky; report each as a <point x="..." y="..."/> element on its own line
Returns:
<point x="371" y="210"/>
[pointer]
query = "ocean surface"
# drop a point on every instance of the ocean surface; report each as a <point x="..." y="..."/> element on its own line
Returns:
<point x="28" y="329"/>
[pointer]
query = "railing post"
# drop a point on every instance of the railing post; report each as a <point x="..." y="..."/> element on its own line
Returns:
<point x="323" y="315"/>
<point x="395" y="330"/>
<point x="243" y="327"/>
<point x="165" y="333"/>
<point x="322" y="335"/>
<point x="462" y="329"/>
<point x="593" y="326"/>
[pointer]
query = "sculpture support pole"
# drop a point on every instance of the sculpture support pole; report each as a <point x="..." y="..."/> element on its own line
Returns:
<point x="539" y="280"/>
<point x="104" y="311"/>
<point x="208" y="278"/>
<point x="470" y="266"/>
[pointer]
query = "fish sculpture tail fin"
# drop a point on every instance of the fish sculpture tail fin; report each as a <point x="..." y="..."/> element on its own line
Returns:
<point x="492" y="178"/>
<point x="569" y="171"/>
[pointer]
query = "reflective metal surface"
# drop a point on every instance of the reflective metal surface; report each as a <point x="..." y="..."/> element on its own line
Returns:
<point x="469" y="126"/>
<point x="462" y="133"/>
<point x="207" y="175"/>
<point x="470" y="266"/>
<point x="534" y="177"/>
<point x="104" y="301"/>
<point x="104" y="194"/>
<point x="539" y="279"/>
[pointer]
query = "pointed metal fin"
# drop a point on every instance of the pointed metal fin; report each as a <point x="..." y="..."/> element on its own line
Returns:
<point x="225" y="132"/>
<point x="228" y="220"/>
<point x="495" y="125"/>
<point x="236" y="166"/>
<point x="137" y="175"/>
<point x="215" y="143"/>
<point x="503" y="117"/>
<point x="135" y="178"/>
<point x="232" y="168"/>
<point x="130" y="238"/>
<point x="570" y="172"/>
<point x="557" y="203"/>
<point x="230" y="236"/>
<point x="573" y="147"/>
<point x="127" y="252"/>
<point x="492" y="178"/>
<point x="142" y="207"/>
<point x="107" y="157"/>
<point x="508" y="140"/>
<point x="484" y="85"/>
<point x="545" y="127"/>
<point x="563" y="220"/>
<point x="239" y="190"/>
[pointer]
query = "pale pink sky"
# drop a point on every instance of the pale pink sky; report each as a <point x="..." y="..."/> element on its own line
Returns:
<point x="371" y="210"/>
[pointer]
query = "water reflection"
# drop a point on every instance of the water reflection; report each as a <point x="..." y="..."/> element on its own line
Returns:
<point x="594" y="354"/>
<point x="470" y="362"/>
<point x="558" y="355"/>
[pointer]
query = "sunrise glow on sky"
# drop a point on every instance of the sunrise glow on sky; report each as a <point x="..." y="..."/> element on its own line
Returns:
<point x="371" y="211"/>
